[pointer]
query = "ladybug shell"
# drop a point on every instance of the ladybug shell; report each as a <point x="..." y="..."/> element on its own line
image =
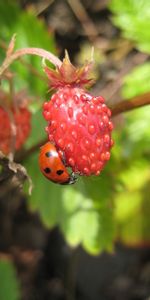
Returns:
<point x="52" y="166"/>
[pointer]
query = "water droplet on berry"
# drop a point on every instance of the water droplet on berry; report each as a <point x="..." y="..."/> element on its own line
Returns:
<point x="101" y="125"/>
<point x="76" y="99"/>
<point x="102" y="156"/>
<point x="63" y="126"/>
<point x="70" y="112"/>
<point x="85" y="109"/>
<point x="83" y="97"/>
<point x="81" y="118"/>
<point x="92" y="108"/>
<point x="99" y="165"/>
<point x="93" y="167"/>
<point x="53" y="124"/>
<point x="97" y="173"/>
<point x="65" y="96"/>
<point x="50" y="138"/>
<point x="86" y="143"/>
<point x="70" y="147"/>
<point x="86" y="171"/>
<point x="74" y="134"/>
<point x="46" y="129"/>
<point x="61" y="154"/>
<point x="104" y="107"/>
<point x="58" y="101"/>
<point x="46" y="105"/>
<point x="47" y="115"/>
<point x="101" y="99"/>
<point x="91" y="129"/>
<point x="112" y="142"/>
<point x="105" y="119"/>
<point x="60" y="143"/>
<point x="106" y="138"/>
<point x="84" y="157"/>
<point x="107" y="155"/>
<point x="53" y="97"/>
<point x="98" y="142"/>
<point x="95" y="100"/>
<point x="71" y="162"/>
<point x="99" y="109"/>
<point x="108" y="112"/>
<point x="110" y="124"/>
<point x="92" y="155"/>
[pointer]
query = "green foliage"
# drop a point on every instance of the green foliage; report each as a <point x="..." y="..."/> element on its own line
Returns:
<point x="137" y="133"/>
<point x="37" y="129"/>
<point x="132" y="178"/>
<point x="131" y="202"/>
<point x="132" y="206"/>
<point x="31" y="32"/>
<point x="9" y="286"/>
<point x="82" y="220"/>
<point x="137" y="81"/>
<point x="133" y="18"/>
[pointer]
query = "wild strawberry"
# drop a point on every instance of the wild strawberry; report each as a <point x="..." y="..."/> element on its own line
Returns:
<point x="21" y="120"/>
<point x="78" y="123"/>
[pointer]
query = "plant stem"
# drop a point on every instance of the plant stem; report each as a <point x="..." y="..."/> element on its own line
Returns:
<point x="127" y="105"/>
<point x="25" y="153"/>
<point x="32" y="51"/>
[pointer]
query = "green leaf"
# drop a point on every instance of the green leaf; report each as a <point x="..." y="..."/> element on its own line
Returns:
<point x="84" y="224"/>
<point x="31" y="32"/>
<point x="37" y="129"/>
<point x="9" y="286"/>
<point x="132" y="207"/>
<point x="100" y="188"/>
<point x="137" y="81"/>
<point x="132" y="139"/>
<point x="46" y="196"/>
<point x="78" y="217"/>
<point x="137" y="130"/>
<point x="133" y="18"/>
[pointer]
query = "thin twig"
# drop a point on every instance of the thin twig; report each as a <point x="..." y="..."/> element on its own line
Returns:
<point x="82" y="15"/>
<point x="40" y="7"/>
<point x="24" y="154"/>
<point x="128" y="105"/>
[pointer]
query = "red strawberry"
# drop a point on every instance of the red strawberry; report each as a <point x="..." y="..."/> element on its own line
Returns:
<point x="21" y="119"/>
<point x="78" y="123"/>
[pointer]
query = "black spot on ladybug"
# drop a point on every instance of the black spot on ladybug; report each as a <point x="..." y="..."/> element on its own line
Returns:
<point x="59" y="172"/>
<point x="48" y="154"/>
<point x="47" y="170"/>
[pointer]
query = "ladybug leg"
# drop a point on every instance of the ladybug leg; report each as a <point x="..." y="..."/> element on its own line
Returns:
<point x="63" y="158"/>
<point x="73" y="178"/>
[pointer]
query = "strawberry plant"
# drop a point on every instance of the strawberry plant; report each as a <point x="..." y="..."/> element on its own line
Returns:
<point x="109" y="200"/>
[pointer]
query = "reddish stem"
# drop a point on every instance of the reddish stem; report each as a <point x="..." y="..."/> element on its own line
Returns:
<point x="32" y="51"/>
<point x="127" y="105"/>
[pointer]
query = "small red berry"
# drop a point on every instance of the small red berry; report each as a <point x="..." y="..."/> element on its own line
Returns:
<point x="78" y="123"/>
<point x="21" y="120"/>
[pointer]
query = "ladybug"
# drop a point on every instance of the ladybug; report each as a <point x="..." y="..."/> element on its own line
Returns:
<point x="52" y="167"/>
